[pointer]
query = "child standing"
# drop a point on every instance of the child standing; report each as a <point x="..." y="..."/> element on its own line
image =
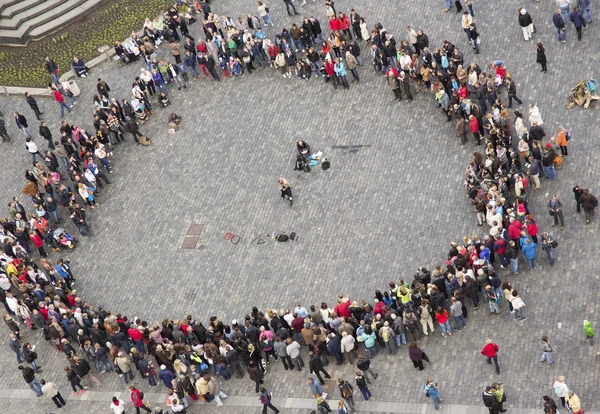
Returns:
<point x="589" y="332"/>
<point x="518" y="306"/>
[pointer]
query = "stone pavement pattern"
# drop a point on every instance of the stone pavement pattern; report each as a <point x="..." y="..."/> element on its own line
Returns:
<point x="375" y="216"/>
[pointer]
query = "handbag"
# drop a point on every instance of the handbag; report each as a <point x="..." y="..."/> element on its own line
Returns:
<point x="118" y="370"/>
<point x="551" y="212"/>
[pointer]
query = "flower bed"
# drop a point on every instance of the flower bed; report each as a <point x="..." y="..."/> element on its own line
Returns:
<point x="25" y="66"/>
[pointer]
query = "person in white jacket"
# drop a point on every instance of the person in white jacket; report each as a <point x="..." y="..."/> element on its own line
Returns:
<point x="561" y="390"/>
<point x="347" y="345"/>
<point x="117" y="405"/>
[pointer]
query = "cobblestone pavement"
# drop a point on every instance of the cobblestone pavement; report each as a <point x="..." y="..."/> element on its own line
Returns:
<point x="382" y="210"/>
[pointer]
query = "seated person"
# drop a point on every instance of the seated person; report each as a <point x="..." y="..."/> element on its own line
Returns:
<point x="303" y="148"/>
<point x="163" y="99"/>
<point x="79" y="67"/>
<point x="125" y="55"/>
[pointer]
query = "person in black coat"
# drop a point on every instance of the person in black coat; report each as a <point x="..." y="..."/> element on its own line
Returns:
<point x="46" y="134"/>
<point x="103" y="88"/>
<point x="559" y="23"/>
<point x="33" y="104"/>
<point x="334" y="346"/>
<point x="316" y="366"/>
<point x="541" y="57"/>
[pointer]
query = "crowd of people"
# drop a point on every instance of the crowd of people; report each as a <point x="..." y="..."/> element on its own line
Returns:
<point x="193" y="360"/>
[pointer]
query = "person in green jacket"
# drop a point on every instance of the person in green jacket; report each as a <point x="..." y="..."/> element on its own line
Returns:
<point x="498" y="392"/>
<point x="589" y="332"/>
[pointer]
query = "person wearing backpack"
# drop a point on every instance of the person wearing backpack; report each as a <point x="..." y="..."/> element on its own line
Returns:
<point x="322" y="406"/>
<point x="137" y="398"/>
<point x="347" y="393"/>
<point x="265" y="398"/>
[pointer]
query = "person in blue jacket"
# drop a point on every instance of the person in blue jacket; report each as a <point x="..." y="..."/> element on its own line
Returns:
<point x="433" y="393"/>
<point x="530" y="253"/>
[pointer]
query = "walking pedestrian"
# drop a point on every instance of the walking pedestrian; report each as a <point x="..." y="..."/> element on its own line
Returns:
<point x="562" y="391"/>
<point x="550" y="406"/>
<point x="431" y="391"/>
<point x="322" y="406"/>
<point x="51" y="68"/>
<point x="265" y="398"/>
<point x="466" y="21"/>
<point x="103" y="88"/>
<point x="578" y="21"/>
<point x="364" y="364"/>
<point x="589" y="204"/>
<point x="511" y="88"/>
<point x="137" y="398"/>
<point x="441" y="315"/>
<point x="417" y="355"/>
<point x="21" y="122"/>
<point x="288" y="4"/>
<point x="584" y="5"/>
<point x="574" y="403"/>
<point x="316" y="366"/>
<point x="347" y="393"/>
<point x="315" y="387"/>
<point x="526" y="23"/>
<point x="490" y="351"/>
<point x="31" y="380"/>
<point x="49" y="389"/>
<point x="33" y="150"/>
<point x="58" y="97"/>
<point x="361" y="383"/>
<point x="117" y="405"/>
<point x="34" y="106"/>
<point x="546" y="350"/>
<point x="559" y="23"/>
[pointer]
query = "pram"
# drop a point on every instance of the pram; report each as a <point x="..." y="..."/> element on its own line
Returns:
<point x="61" y="239"/>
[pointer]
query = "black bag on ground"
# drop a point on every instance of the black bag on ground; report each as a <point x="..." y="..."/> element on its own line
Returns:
<point x="325" y="165"/>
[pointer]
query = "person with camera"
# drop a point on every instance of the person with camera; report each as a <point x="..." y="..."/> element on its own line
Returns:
<point x="555" y="206"/>
<point x="431" y="391"/>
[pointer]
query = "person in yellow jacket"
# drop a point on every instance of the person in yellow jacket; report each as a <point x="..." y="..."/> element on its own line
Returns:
<point x="574" y="403"/>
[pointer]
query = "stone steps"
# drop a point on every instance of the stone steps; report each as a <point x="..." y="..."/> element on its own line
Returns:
<point x="41" y="20"/>
<point x="64" y="19"/>
<point x="12" y="19"/>
<point x="6" y="3"/>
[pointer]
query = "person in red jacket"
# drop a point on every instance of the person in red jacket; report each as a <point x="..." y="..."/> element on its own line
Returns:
<point x="137" y="337"/>
<point x="39" y="243"/>
<point x="330" y="72"/>
<point x="334" y="24"/>
<point x="345" y="25"/>
<point x="58" y="97"/>
<point x="136" y="400"/>
<point x="500" y="246"/>
<point x="532" y="228"/>
<point x="490" y="351"/>
<point x="474" y="127"/>
<point x="343" y="307"/>
<point x="514" y="230"/>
